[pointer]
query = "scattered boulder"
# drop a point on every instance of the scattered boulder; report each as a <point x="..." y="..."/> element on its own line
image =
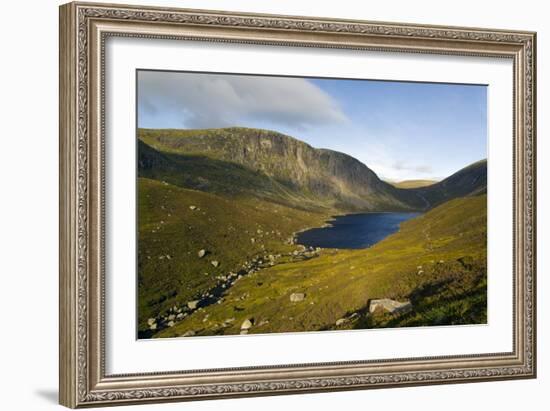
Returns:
<point x="297" y="297"/>
<point x="171" y="323"/>
<point x="192" y="207"/>
<point x="391" y="306"/>
<point x="215" y="263"/>
<point x="171" y="317"/>
<point x="247" y="324"/>
<point x="153" y="326"/>
<point x="201" y="253"/>
<point x="193" y="304"/>
<point x="151" y="321"/>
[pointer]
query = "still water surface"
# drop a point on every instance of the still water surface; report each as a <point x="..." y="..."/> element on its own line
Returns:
<point x="354" y="230"/>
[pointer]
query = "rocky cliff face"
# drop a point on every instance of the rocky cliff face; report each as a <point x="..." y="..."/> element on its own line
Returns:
<point x="327" y="175"/>
<point x="286" y="167"/>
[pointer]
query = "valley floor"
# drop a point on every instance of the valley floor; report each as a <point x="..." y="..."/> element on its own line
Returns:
<point x="210" y="265"/>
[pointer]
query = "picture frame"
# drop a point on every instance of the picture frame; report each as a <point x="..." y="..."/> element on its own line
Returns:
<point x="84" y="30"/>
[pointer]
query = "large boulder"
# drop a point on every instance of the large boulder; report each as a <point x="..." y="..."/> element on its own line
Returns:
<point x="391" y="306"/>
<point x="247" y="324"/>
<point x="297" y="297"/>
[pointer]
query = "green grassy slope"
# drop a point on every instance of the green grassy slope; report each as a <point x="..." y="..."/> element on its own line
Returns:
<point x="470" y="180"/>
<point x="171" y="235"/>
<point x="437" y="260"/>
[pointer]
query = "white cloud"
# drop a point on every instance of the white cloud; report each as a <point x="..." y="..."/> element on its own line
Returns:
<point x="418" y="168"/>
<point x="210" y="100"/>
<point x="376" y="153"/>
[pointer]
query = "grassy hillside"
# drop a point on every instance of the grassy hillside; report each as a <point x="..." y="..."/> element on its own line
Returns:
<point x="470" y="180"/>
<point x="437" y="260"/>
<point x="176" y="223"/>
<point x="413" y="183"/>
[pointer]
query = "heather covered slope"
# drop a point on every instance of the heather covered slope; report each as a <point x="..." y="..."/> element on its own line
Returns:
<point x="176" y="223"/>
<point x="437" y="260"/>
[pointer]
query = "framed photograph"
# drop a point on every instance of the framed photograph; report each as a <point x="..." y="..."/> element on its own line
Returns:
<point x="259" y="204"/>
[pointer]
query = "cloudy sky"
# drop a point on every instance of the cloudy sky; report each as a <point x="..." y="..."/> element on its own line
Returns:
<point x="400" y="130"/>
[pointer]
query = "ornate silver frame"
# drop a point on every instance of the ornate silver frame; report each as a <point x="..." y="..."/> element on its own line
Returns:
<point x="83" y="30"/>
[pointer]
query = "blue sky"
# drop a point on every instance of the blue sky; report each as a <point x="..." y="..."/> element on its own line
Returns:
<point x="401" y="130"/>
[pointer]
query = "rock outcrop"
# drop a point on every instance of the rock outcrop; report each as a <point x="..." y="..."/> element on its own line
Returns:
<point x="391" y="306"/>
<point x="297" y="297"/>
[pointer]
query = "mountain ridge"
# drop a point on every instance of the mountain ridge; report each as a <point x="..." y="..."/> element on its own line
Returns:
<point x="281" y="168"/>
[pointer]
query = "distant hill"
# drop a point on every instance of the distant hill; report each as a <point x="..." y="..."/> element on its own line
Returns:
<point x="265" y="164"/>
<point x="469" y="181"/>
<point x="412" y="183"/>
